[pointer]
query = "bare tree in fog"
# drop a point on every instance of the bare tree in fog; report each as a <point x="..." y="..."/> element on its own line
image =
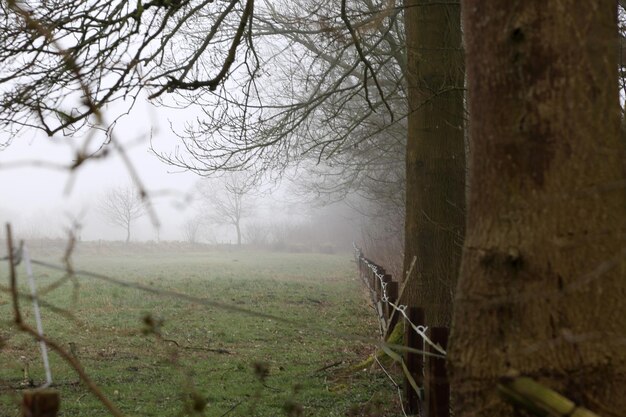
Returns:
<point x="121" y="206"/>
<point x="229" y="199"/>
<point x="326" y="68"/>
<point x="190" y="228"/>
<point x="257" y="234"/>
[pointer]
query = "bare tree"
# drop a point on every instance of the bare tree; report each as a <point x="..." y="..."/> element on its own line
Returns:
<point x="351" y="137"/>
<point x="257" y="234"/>
<point x="121" y="206"/>
<point x="331" y="73"/>
<point x="191" y="228"/>
<point x="229" y="199"/>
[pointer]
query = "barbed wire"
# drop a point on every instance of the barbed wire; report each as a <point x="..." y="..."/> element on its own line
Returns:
<point x="399" y="308"/>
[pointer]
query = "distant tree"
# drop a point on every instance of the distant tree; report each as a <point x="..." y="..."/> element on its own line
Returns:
<point x="190" y="228"/>
<point x="257" y="234"/>
<point x="229" y="199"/>
<point x="121" y="206"/>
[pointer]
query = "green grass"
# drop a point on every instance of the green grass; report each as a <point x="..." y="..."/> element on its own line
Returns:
<point x="323" y="315"/>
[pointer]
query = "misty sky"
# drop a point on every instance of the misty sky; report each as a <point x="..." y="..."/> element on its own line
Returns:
<point x="35" y="198"/>
<point x="37" y="202"/>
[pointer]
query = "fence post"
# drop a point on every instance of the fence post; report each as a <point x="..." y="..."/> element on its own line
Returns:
<point x="382" y="306"/>
<point x="361" y="268"/>
<point x="378" y="304"/>
<point x="386" y="308"/>
<point x="392" y="315"/>
<point x="376" y="285"/>
<point x="414" y="361"/>
<point x="40" y="403"/>
<point x="437" y="385"/>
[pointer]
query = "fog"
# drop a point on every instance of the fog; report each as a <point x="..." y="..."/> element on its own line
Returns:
<point x="41" y="200"/>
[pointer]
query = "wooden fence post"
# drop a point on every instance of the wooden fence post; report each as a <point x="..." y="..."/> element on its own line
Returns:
<point x="414" y="361"/>
<point x="392" y="315"/>
<point x="362" y="274"/>
<point x="40" y="403"/>
<point x="437" y="386"/>
<point x="386" y="308"/>
<point x="376" y="285"/>
<point x="378" y="295"/>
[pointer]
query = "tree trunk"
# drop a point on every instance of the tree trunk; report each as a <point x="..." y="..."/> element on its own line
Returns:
<point x="127" y="232"/>
<point x="542" y="284"/>
<point x="435" y="160"/>
<point x="238" y="233"/>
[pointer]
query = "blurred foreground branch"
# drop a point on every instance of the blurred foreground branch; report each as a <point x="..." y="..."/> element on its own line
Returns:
<point x="66" y="356"/>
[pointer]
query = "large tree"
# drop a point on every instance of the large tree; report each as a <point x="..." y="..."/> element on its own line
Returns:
<point x="542" y="284"/>
<point x="435" y="156"/>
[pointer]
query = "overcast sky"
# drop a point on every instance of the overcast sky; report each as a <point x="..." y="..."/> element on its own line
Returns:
<point x="37" y="198"/>
<point x="42" y="202"/>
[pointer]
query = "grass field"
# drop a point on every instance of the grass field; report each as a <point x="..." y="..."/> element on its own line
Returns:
<point x="226" y="362"/>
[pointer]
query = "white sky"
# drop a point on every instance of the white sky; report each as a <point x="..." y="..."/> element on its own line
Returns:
<point x="35" y="201"/>
<point x="34" y="198"/>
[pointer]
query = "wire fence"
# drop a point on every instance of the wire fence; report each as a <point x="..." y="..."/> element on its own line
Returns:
<point x="426" y="386"/>
<point x="391" y="301"/>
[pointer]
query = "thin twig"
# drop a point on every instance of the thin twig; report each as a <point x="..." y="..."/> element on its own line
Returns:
<point x="232" y="408"/>
<point x="394" y="383"/>
<point x="324" y="368"/>
<point x="363" y="58"/>
<point x="216" y="350"/>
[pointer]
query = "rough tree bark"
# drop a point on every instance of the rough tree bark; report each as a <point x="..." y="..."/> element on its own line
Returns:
<point x="542" y="284"/>
<point x="435" y="160"/>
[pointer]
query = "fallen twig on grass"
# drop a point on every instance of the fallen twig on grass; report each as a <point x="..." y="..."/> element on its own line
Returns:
<point x="324" y="368"/>
<point x="232" y="408"/>
<point x="215" y="350"/>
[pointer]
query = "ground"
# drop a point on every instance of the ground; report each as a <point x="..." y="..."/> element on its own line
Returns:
<point x="205" y="357"/>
